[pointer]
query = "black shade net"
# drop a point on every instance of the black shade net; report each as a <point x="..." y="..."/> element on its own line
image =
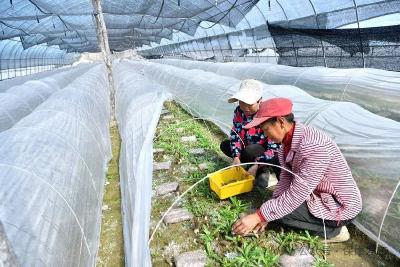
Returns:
<point x="377" y="47"/>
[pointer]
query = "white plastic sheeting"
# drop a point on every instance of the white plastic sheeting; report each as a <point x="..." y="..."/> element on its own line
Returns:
<point x="138" y="107"/>
<point x="52" y="170"/>
<point x="376" y="90"/>
<point x="5" y="84"/>
<point x="370" y="143"/>
<point x="20" y="100"/>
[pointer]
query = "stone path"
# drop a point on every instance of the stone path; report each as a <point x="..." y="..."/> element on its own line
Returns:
<point x="166" y="165"/>
<point x="195" y="258"/>
<point x="189" y="139"/>
<point x="177" y="215"/>
<point x="167" y="188"/>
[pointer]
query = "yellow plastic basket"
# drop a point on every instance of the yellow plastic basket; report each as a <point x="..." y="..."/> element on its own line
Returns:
<point x="230" y="182"/>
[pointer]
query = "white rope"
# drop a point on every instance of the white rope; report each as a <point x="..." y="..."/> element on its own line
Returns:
<point x="325" y="242"/>
<point x="384" y="216"/>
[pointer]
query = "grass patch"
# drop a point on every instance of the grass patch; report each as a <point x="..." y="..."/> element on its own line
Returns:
<point x="111" y="251"/>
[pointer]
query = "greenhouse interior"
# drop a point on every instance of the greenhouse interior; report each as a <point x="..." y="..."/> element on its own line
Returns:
<point x="113" y="116"/>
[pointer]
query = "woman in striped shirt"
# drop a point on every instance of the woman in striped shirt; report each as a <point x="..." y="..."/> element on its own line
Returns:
<point x="316" y="190"/>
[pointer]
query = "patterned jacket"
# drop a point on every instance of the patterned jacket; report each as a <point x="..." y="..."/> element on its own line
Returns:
<point x="253" y="135"/>
<point x="323" y="179"/>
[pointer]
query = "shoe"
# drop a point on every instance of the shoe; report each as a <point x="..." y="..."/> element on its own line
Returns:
<point x="341" y="237"/>
<point x="272" y="180"/>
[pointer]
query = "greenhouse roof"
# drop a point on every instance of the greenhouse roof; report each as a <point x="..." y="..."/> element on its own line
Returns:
<point x="131" y="24"/>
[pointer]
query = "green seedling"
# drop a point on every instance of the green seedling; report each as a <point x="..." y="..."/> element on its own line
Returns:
<point x="227" y="262"/>
<point x="250" y="254"/>
<point x="207" y="236"/>
<point x="193" y="177"/>
<point x="235" y="240"/>
<point x="223" y="219"/>
<point x="320" y="262"/>
<point x="198" y="207"/>
<point x="203" y="190"/>
<point x="247" y="253"/>
<point x="313" y="242"/>
<point x="238" y="205"/>
<point x="288" y="242"/>
<point x="268" y="259"/>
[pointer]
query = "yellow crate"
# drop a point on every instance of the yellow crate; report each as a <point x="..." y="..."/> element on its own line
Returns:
<point x="220" y="182"/>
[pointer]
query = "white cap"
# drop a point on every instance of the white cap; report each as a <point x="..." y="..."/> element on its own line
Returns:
<point x="250" y="91"/>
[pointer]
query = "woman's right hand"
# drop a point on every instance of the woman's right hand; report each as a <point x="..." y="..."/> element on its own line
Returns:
<point x="236" y="161"/>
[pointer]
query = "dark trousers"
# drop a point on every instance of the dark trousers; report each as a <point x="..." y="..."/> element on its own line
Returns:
<point x="301" y="218"/>
<point x="249" y="154"/>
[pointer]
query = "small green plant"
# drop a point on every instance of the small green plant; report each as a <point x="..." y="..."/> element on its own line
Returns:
<point x="287" y="242"/>
<point x="235" y="240"/>
<point x="268" y="259"/>
<point x="193" y="177"/>
<point x="203" y="190"/>
<point x="251" y="255"/>
<point x="247" y="251"/>
<point x="313" y="242"/>
<point x="238" y="206"/>
<point x="320" y="262"/>
<point x="198" y="206"/>
<point x="227" y="262"/>
<point x="247" y="257"/>
<point x="207" y="236"/>
<point x="224" y="218"/>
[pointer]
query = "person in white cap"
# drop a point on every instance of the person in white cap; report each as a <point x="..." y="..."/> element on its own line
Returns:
<point x="250" y="145"/>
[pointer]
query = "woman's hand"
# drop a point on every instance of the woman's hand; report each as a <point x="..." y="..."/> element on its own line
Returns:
<point x="260" y="227"/>
<point x="253" y="170"/>
<point x="236" y="160"/>
<point x="246" y="224"/>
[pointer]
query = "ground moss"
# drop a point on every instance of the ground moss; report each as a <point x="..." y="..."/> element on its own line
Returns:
<point x="111" y="251"/>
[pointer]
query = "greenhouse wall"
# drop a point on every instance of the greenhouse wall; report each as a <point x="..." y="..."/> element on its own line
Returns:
<point x="18" y="60"/>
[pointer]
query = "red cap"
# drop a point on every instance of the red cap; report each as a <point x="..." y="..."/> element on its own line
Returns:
<point x="274" y="107"/>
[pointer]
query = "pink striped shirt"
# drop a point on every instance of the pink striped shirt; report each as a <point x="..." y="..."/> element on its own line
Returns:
<point x="325" y="181"/>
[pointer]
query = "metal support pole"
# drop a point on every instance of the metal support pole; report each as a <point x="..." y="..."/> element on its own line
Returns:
<point x="316" y="20"/>
<point x="359" y="34"/>
<point x="291" y="35"/>
<point x="102" y="37"/>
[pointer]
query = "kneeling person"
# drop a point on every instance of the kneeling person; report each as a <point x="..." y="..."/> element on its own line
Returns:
<point x="318" y="189"/>
<point x="250" y="144"/>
